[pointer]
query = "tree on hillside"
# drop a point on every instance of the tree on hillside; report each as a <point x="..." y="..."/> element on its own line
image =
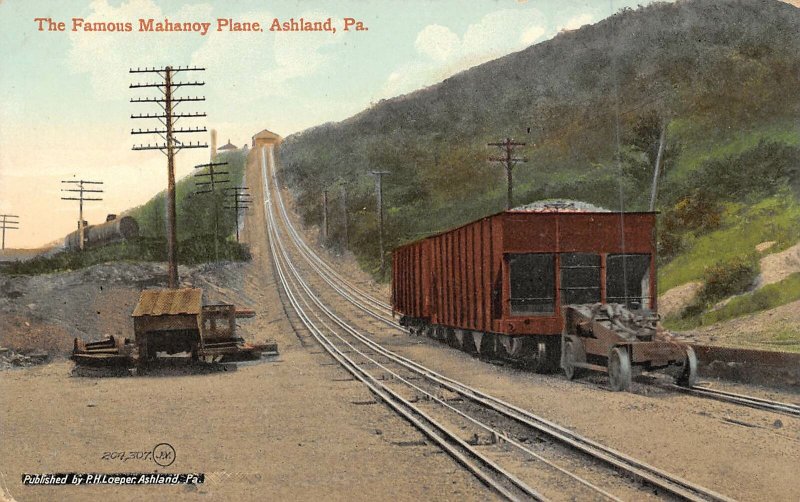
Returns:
<point x="642" y="143"/>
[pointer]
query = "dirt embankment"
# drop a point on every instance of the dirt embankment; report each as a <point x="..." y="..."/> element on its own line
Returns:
<point x="46" y="312"/>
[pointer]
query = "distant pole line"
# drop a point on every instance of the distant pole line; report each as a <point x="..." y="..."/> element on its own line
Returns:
<point x="171" y="144"/>
<point x="240" y="202"/>
<point x="345" y="218"/>
<point x="324" y="217"/>
<point x="209" y="187"/>
<point x="508" y="161"/>
<point x="379" y="188"/>
<point x="81" y="190"/>
<point x="8" y="222"/>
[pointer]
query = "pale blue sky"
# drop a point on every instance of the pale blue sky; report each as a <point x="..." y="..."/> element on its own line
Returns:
<point x="65" y="108"/>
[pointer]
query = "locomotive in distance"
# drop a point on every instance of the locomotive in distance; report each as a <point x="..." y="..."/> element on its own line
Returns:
<point x="553" y="284"/>
<point x="113" y="230"/>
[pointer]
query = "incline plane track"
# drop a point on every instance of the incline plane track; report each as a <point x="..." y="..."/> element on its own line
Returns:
<point x="382" y="312"/>
<point x="446" y="410"/>
<point x="750" y="401"/>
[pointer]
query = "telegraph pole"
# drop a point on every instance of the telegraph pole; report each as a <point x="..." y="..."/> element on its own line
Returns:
<point x="324" y="217"/>
<point x="210" y="187"/>
<point x="80" y="198"/>
<point x="509" y="160"/>
<point x="662" y="142"/>
<point x="344" y="217"/>
<point x="8" y="222"/>
<point x="241" y="201"/>
<point x="379" y="188"/>
<point x="171" y="144"/>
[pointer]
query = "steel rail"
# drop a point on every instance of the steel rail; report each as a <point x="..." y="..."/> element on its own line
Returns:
<point x="332" y="277"/>
<point x="311" y="254"/>
<point x="449" y="441"/>
<point x="723" y="396"/>
<point x="426" y="424"/>
<point x="429" y="396"/>
<point x="732" y="397"/>
<point x="640" y="470"/>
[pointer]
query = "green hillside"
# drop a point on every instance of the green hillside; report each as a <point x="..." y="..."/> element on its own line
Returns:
<point x="722" y="75"/>
<point x="195" y="215"/>
<point x="195" y="212"/>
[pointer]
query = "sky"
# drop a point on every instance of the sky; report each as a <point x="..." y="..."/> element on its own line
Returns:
<point x="65" y="107"/>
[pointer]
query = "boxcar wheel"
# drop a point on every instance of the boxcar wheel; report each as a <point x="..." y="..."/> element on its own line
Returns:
<point x="543" y="360"/>
<point x="688" y="375"/>
<point x="619" y="369"/>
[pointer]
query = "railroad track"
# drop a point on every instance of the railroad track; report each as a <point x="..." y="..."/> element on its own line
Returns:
<point x="457" y="417"/>
<point x="382" y="312"/>
<point x="744" y="400"/>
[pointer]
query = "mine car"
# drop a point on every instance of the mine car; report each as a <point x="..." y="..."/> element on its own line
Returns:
<point x="520" y="284"/>
<point x="173" y="321"/>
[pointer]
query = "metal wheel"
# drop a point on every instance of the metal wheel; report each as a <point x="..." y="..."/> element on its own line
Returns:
<point x="619" y="369"/>
<point x="569" y="359"/>
<point x="543" y="357"/>
<point x="450" y="338"/>
<point x="688" y="376"/>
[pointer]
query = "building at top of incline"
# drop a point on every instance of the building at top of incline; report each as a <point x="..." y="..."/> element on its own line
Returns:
<point x="265" y="137"/>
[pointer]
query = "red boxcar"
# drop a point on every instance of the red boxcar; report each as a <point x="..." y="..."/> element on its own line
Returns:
<point x="497" y="285"/>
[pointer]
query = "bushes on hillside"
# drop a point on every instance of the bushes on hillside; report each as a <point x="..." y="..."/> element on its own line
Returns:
<point x="695" y="213"/>
<point x="723" y="280"/>
<point x="755" y="173"/>
<point x="190" y="252"/>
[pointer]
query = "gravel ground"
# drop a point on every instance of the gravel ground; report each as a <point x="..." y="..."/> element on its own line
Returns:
<point x="744" y="453"/>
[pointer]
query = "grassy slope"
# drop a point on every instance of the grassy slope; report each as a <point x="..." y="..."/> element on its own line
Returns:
<point x="772" y="219"/>
<point x="700" y="147"/>
<point x="743" y="227"/>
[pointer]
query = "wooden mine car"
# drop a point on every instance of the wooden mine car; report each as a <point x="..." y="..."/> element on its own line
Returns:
<point x="501" y="287"/>
<point x="173" y="321"/>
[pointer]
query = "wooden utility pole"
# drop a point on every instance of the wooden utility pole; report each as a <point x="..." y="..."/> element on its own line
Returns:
<point x="379" y="188"/>
<point x="241" y="201"/>
<point x="8" y="222"/>
<point x="171" y="144"/>
<point x="210" y="187"/>
<point x="508" y="160"/>
<point x="80" y="198"/>
<point x="344" y="217"/>
<point x="657" y="170"/>
<point x="324" y="217"/>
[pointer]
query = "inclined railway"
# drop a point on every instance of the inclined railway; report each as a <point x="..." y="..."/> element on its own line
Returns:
<point x="382" y="312"/>
<point x="518" y="454"/>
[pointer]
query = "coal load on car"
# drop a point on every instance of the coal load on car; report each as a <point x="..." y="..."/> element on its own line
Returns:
<point x="530" y="283"/>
